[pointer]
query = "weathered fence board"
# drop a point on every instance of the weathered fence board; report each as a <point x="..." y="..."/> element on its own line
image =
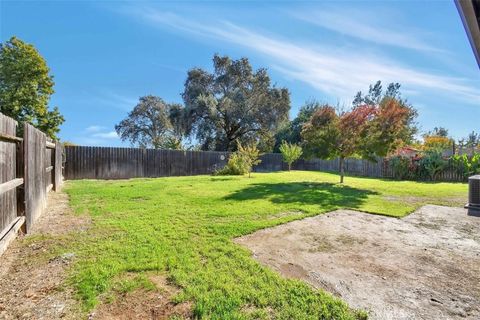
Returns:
<point x="57" y="167"/>
<point x="124" y="163"/>
<point x="8" y="173"/>
<point x="36" y="178"/>
<point x="29" y="168"/>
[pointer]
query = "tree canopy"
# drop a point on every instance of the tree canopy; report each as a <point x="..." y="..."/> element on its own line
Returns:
<point x="153" y="123"/>
<point x="26" y="86"/>
<point x="377" y="125"/>
<point x="290" y="131"/>
<point x="234" y="103"/>
<point x="330" y="134"/>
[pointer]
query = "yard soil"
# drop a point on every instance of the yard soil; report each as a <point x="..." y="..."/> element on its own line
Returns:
<point x="33" y="277"/>
<point x="424" y="266"/>
<point x="145" y="304"/>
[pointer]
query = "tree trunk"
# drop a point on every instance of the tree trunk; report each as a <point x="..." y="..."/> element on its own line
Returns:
<point x="342" y="168"/>
<point x="289" y="167"/>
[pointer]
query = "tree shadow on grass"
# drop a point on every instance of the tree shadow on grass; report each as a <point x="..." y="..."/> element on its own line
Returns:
<point x="323" y="194"/>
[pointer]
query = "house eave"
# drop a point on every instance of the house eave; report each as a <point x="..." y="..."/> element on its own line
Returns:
<point x="469" y="11"/>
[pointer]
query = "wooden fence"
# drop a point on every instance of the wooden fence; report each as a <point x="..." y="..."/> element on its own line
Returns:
<point x="123" y="163"/>
<point x="29" y="168"/>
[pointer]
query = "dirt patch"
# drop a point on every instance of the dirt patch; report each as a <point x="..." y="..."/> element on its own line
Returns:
<point x="425" y="266"/>
<point x="31" y="278"/>
<point x="142" y="304"/>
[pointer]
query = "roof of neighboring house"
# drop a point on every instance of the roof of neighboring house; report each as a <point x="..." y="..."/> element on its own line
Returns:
<point x="408" y="148"/>
<point x="470" y="13"/>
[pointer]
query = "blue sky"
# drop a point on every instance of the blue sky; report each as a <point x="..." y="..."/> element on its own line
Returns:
<point x="104" y="55"/>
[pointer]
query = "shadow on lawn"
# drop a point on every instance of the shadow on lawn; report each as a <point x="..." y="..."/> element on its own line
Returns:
<point x="309" y="193"/>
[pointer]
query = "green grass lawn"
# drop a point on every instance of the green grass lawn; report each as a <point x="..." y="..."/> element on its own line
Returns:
<point x="184" y="226"/>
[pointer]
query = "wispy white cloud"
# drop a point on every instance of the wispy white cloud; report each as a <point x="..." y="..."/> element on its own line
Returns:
<point x="94" y="128"/>
<point x="96" y="135"/>
<point x="362" y="24"/>
<point x="106" y="135"/>
<point x="331" y="70"/>
<point x="110" y="99"/>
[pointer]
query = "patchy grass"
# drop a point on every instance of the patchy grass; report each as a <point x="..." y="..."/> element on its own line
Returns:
<point x="184" y="226"/>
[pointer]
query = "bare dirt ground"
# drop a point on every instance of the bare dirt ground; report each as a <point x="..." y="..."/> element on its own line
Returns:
<point x="33" y="278"/>
<point x="145" y="304"/>
<point x="424" y="266"/>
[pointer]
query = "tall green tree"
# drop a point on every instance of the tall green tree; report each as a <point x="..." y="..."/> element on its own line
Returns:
<point x="290" y="131"/>
<point x="153" y="123"/>
<point x="234" y="103"/>
<point x="438" y="132"/>
<point x="26" y="86"/>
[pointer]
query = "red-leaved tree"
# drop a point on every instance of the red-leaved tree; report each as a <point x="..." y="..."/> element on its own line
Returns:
<point x="366" y="131"/>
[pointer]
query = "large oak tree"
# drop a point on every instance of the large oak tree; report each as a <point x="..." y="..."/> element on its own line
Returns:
<point x="153" y="123"/>
<point x="234" y="103"/>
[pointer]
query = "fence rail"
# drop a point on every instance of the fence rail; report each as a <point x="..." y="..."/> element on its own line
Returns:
<point x="29" y="168"/>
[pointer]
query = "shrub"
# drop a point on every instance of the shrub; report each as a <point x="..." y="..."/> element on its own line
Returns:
<point x="403" y="167"/>
<point x="432" y="164"/>
<point x="290" y="152"/>
<point x="467" y="166"/>
<point x="241" y="161"/>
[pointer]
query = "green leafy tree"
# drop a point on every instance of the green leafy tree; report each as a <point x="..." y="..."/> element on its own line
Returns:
<point x="290" y="153"/>
<point x="291" y="131"/>
<point x="438" y="132"/>
<point x="234" y="103"/>
<point x="26" y="86"/>
<point x="153" y="123"/>
<point x="331" y="135"/>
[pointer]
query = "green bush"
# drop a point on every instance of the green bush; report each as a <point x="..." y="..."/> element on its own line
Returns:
<point x="236" y="165"/>
<point x="241" y="161"/>
<point x="466" y="166"/>
<point x="402" y="168"/>
<point x="432" y="164"/>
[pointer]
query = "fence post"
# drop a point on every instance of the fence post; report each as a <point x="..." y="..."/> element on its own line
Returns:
<point x="57" y="167"/>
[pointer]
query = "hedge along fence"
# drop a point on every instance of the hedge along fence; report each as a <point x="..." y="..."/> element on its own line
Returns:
<point x="29" y="168"/>
<point x="456" y="168"/>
